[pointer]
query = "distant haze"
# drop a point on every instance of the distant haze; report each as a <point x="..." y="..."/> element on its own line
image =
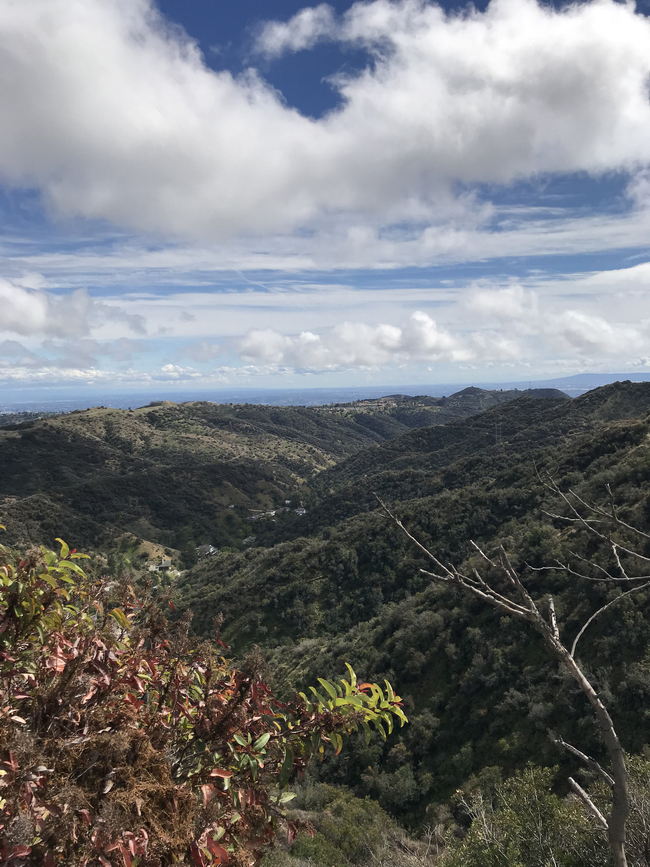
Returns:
<point x="66" y="400"/>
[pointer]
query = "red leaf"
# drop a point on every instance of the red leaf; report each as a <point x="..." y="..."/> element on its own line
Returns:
<point x="218" y="851"/>
<point x="56" y="661"/>
<point x="220" y="772"/>
<point x="197" y="857"/>
<point x="91" y="692"/>
<point x="11" y="763"/>
<point x="208" y="793"/>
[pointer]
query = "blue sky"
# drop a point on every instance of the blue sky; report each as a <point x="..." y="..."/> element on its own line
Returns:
<point x="209" y="194"/>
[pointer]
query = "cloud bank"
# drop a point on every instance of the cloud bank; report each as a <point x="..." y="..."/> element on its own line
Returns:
<point x="496" y="326"/>
<point x="114" y="115"/>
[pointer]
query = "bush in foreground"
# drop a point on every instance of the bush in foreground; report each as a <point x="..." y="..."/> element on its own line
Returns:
<point x="125" y="743"/>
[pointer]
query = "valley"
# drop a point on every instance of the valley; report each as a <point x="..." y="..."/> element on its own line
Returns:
<point x="270" y="520"/>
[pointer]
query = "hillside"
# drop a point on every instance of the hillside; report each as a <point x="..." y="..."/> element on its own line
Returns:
<point x="183" y="475"/>
<point x="340" y="582"/>
<point x="476" y="684"/>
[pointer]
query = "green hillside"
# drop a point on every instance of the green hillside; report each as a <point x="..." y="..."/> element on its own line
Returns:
<point x="476" y="684"/>
<point x="183" y="475"/>
<point x="337" y="581"/>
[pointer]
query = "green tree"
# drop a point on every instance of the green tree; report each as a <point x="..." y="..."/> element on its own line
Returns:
<point x="500" y="582"/>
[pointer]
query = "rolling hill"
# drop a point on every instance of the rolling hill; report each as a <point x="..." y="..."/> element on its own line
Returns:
<point x="182" y="475"/>
<point x="351" y="588"/>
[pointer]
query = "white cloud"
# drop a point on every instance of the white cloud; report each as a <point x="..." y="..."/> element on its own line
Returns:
<point x="202" y="350"/>
<point x="529" y="332"/>
<point x="638" y="189"/>
<point x="595" y="335"/>
<point x="176" y="371"/>
<point x="12" y="350"/>
<point x="34" y="311"/>
<point x="512" y="302"/>
<point x="584" y="333"/>
<point x="31" y="311"/>
<point x="304" y="30"/>
<point x="140" y="132"/>
<point x="356" y="344"/>
<point x="53" y="374"/>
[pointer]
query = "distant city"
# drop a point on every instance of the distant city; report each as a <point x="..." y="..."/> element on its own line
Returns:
<point x="67" y="399"/>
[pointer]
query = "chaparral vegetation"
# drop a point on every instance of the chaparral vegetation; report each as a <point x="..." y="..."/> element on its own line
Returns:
<point x="154" y="708"/>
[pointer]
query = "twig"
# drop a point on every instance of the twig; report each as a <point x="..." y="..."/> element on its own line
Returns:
<point x="600" y="611"/>
<point x="591" y="763"/>
<point x="586" y="800"/>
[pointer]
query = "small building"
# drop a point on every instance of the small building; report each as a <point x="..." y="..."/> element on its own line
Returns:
<point x="165" y="565"/>
<point x="206" y="551"/>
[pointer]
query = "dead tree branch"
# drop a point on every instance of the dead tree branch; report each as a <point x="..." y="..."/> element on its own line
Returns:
<point x="519" y="603"/>
<point x="600" y="611"/>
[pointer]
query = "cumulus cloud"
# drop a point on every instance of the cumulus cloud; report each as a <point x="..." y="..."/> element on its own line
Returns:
<point x="34" y="311"/>
<point x="304" y="30"/>
<point x="507" y="325"/>
<point x="356" y="344"/>
<point x="142" y="133"/>
<point x="177" y="371"/>
<point x="54" y="374"/>
<point x="594" y="335"/>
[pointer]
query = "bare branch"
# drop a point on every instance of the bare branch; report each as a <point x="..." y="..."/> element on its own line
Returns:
<point x="417" y="542"/>
<point x="482" y="553"/>
<point x="522" y="605"/>
<point x="623" y="572"/>
<point x="488" y="595"/>
<point x="588" y="761"/>
<point x="594" y="507"/>
<point x="586" y="800"/>
<point x="600" y="611"/>
<point x="589" y="522"/>
<point x="516" y="581"/>
<point x="609" y="579"/>
<point x="577" y="516"/>
<point x="553" y="618"/>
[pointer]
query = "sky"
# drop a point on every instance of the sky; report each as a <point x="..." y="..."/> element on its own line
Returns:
<point x="205" y="194"/>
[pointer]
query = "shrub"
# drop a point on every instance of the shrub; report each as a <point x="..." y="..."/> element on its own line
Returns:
<point x="126" y="743"/>
<point x="522" y="823"/>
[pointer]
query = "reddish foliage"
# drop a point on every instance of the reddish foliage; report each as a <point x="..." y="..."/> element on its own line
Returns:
<point x="125" y="742"/>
